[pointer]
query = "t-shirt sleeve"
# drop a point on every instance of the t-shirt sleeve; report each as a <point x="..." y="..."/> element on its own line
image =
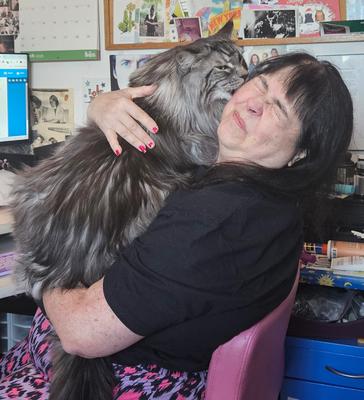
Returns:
<point x="178" y="268"/>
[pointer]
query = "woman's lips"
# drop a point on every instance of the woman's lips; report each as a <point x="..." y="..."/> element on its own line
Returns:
<point x="238" y="120"/>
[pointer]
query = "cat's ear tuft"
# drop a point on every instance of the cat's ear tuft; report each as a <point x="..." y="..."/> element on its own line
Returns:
<point x="226" y="32"/>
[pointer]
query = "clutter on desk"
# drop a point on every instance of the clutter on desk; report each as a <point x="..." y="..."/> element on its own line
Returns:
<point x="326" y="312"/>
<point x="336" y="264"/>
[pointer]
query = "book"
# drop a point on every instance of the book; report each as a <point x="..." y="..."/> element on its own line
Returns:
<point x="349" y="263"/>
<point x="6" y="263"/>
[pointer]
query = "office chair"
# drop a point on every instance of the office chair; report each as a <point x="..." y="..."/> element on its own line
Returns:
<point x="251" y="365"/>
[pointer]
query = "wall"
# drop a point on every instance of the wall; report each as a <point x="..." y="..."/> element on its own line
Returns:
<point x="71" y="74"/>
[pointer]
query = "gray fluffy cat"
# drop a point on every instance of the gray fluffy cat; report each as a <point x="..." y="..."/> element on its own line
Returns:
<point x="76" y="211"/>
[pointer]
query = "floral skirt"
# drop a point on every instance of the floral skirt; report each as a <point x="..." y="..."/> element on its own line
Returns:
<point x="26" y="369"/>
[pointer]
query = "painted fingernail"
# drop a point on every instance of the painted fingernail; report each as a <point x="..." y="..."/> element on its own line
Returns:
<point x="155" y="129"/>
<point x="142" y="149"/>
<point x="117" y="152"/>
<point x="150" y="145"/>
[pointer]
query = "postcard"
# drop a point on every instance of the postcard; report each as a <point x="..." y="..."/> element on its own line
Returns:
<point x="188" y="29"/>
<point x="152" y="22"/>
<point x="312" y="12"/>
<point x="93" y="87"/>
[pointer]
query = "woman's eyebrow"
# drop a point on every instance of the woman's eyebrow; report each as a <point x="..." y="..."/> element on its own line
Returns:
<point x="276" y="101"/>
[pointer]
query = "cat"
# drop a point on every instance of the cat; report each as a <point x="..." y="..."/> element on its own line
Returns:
<point x="74" y="212"/>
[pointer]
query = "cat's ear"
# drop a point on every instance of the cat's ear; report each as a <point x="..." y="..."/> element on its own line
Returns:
<point x="185" y="59"/>
<point x="226" y="32"/>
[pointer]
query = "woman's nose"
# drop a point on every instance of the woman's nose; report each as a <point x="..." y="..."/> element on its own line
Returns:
<point x="255" y="107"/>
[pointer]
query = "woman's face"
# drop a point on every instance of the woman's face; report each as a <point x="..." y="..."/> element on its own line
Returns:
<point x="254" y="59"/>
<point x="259" y="125"/>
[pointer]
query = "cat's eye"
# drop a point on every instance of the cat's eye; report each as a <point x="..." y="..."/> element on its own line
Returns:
<point x="222" y="67"/>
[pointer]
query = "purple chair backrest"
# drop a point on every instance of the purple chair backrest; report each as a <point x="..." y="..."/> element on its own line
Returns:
<point x="251" y="365"/>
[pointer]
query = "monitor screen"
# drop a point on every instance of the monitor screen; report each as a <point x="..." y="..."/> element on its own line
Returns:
<point x="14" y="111"/>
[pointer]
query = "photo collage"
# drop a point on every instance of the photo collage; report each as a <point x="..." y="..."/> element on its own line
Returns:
<point x="185" y="20"/>
<point x="9" y="24"/>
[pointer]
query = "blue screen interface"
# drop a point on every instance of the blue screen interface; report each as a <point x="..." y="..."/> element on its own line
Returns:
<point x="14" y="112"/>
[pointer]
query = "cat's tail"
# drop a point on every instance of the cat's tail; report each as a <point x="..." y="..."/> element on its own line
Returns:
<point x="77" y="378"/>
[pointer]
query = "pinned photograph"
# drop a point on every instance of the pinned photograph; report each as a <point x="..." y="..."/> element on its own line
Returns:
<point x="254" y="55"/>
<point x="310" y="16"/>
<point x="9" y="19"/>
<point x="269" y="22"/>
<point x="52" y="111"/>
<point x="151" y="21"/>
<point x="188" y="29"/>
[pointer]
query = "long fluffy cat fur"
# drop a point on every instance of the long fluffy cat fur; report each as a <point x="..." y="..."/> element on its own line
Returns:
<point x="75" y="211"/>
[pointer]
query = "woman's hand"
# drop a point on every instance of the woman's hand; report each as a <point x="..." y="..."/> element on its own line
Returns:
<point x="115" y="113"/>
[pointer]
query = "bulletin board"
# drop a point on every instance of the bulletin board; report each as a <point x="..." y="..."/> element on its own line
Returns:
<point x="158" y="24"/>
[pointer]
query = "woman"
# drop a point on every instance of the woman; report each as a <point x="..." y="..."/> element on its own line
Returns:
<point x="254" y="61"/>
<point x="151" y="22"/>
<point x="56" y="112"/>
<point x="218" y="257"/>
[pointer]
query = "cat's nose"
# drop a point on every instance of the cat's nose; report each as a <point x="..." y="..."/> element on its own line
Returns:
<point x="243" y="72"/>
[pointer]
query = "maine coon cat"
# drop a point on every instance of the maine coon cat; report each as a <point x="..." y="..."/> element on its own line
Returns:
<point x="76" y="211"/>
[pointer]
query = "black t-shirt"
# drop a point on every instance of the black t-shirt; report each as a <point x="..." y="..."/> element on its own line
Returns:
<point x="212" y="263"/>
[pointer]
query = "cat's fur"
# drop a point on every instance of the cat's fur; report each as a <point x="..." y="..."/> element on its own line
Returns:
<point x="75" y="211"/>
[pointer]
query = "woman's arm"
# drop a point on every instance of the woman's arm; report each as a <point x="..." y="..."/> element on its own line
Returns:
<point x="115" y="114"/>
<point x="85" y="323"/>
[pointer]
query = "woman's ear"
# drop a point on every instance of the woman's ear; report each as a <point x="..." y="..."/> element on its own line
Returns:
<point x="299" y="156"/>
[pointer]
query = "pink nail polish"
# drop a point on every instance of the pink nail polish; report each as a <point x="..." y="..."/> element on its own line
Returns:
<point x="142" y="149"/>
<point x="150" y="145"/>
<point x="117" y="152"/>
<point x="155" y="129"/>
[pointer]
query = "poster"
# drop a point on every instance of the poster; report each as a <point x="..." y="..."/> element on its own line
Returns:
<point x="124" y="63"/>
<point x="52" y="115"/>
<point x="215" y="13"/>
<point x="275" y="22"/>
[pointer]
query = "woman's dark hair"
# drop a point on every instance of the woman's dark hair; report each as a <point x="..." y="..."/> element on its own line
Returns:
<point x="36" y="102"/>
<point x="324" y="107"/>
<point x="55" y="99"/>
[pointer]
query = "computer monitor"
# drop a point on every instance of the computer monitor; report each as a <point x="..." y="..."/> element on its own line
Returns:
<point x="14" y="107"/>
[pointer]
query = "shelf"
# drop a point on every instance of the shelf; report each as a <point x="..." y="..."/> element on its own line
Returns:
<point x="249" y="42"/>
<point x="328" y="278"/>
